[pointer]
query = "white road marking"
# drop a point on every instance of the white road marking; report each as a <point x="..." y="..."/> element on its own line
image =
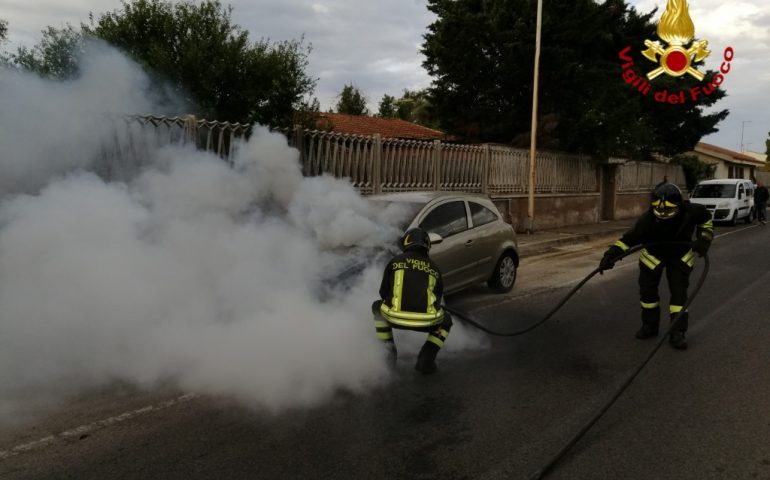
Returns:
<point x="84" y="429"/>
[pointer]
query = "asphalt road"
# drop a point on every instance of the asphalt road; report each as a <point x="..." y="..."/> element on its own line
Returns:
<point x="498" y="412"/>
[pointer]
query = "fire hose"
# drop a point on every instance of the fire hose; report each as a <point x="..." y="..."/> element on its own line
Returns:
<point x="551" y="463"/>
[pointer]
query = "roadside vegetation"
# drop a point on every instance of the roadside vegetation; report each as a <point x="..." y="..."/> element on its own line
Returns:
<point x="478" y="53"/>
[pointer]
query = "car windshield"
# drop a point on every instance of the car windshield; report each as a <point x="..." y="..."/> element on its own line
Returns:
<point x="397" y="213"/>
<point x="714" y="191"/>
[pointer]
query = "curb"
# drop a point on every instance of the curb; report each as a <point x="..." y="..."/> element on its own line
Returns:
<point x="548" y="245"/>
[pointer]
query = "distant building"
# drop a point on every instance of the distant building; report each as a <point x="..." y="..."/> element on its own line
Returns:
<point x="387" y="127"/>
<point x="762" y="157"/>
<point x="729" y="164"/>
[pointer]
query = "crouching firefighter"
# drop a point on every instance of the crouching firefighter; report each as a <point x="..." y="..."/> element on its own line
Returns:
<point x="669" y="219"/>
<point x="410" y="293"/>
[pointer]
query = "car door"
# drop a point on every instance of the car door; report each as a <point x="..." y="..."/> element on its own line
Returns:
<point x="743" y="201"/>
<point x="455" y="254"/>
<point x="750" y="196"/>
<point x="485" y="225"/>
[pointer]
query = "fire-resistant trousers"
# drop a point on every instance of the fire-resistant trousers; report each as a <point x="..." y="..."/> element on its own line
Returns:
<point x="678" y="277"/>
<point x="436" y="335"/>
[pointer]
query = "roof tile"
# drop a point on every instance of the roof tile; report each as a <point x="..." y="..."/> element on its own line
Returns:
<point x="387" y="127"/>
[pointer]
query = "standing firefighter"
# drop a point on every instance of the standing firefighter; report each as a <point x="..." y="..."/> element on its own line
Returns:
<point x="410" y="295"/>
<point x="669" y="219"/>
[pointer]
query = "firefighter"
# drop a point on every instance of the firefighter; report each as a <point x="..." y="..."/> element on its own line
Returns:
<point x="410" y="296"/>
<point x="668" y="219"/>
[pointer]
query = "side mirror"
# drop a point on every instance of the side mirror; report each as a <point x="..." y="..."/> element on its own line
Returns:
<point x="435" y="238"/>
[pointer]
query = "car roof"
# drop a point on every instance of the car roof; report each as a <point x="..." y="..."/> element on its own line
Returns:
<point x="424" y="197"/>
<point x="723" y="181"/>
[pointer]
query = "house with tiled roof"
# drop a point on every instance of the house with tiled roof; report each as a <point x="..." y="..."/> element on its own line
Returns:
<point x="728" y="163"/>
<point x="365" y="125"/>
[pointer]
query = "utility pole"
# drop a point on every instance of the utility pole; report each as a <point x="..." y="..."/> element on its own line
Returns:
<point x="530" y="225"/>
<point x="743" y="146"/>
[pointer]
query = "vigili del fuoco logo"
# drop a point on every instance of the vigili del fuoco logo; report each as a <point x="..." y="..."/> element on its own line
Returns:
<point x="674" y="57"/>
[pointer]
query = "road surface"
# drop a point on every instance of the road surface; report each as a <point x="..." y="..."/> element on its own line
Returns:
<point x="497" y="412"/>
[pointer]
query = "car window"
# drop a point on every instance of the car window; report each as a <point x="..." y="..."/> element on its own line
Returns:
<point x="447" y="219"/>
<point x="481" y="215"/>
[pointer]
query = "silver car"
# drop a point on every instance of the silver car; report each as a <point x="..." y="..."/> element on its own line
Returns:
<point x="471" y="243"/>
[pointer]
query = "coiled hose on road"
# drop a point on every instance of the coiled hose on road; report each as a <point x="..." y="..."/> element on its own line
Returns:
<point x="548" y="466"/>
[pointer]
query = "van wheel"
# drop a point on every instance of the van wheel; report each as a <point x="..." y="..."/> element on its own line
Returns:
<point x="734" y="220"/>
<point x="504" y="275"/>
<point x="750" y="217"/>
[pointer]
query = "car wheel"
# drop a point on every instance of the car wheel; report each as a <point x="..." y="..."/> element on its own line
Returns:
<point x="750" y="217"/>
<point x="504" y="275"/>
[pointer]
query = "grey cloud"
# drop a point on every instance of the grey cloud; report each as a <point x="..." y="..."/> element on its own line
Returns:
<point x="376" y="45"/>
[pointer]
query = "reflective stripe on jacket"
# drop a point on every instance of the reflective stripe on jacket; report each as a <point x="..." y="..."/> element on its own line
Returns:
<point x="411" y="291"/>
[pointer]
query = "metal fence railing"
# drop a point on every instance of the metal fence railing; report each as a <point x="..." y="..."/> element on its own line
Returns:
<point x="643" y="176"/>
<point x="379" y="165"/>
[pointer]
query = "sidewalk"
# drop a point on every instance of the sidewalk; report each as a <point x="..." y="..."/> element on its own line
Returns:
<point x="542" y="241"/>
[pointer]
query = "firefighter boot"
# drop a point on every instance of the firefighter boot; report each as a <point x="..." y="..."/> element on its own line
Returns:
<point x="426" y="360"/>
<point x="650" y="322"/>
<point x="676" y="339"/>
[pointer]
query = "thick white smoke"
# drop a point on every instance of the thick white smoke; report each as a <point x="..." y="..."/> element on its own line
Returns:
<point x="193" y="273"/>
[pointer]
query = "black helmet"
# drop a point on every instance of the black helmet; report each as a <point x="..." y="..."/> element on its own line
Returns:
<point x="415" y="238"/>
<point x="666" y="200"/>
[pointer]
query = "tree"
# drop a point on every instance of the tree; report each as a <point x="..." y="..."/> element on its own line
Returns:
<point x="4" y="59"/>
<point x="480" y="54"/>
<point x="694" y="168"/>
<point x="415" y="106"/>
<point x="307" y="113"/>
<point x="209" y="60"/>
<point x="387" y="106"/>
<point x="351" y="101"/>
<point x="767" y="148"/>
<point x="57" y="55"/>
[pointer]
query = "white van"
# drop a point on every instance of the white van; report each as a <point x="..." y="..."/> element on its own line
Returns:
<point x="728" y="200"/>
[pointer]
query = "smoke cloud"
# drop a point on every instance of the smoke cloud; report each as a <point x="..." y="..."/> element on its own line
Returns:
<point x="190" y="272"/>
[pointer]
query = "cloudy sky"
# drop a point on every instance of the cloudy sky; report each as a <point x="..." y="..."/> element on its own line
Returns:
<point x="375" y="45"/>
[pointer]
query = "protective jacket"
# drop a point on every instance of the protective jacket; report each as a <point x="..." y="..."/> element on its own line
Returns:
<point x="692" y="218"/>
<point x="411" y="291"/>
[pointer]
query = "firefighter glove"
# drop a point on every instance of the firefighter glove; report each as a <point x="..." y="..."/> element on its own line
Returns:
<point x="610" y="257"/>
<point x="700" y="246"/>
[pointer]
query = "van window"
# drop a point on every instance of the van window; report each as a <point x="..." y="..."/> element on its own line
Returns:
<point x="740" y="191"/>
<point x="714" y="191"/>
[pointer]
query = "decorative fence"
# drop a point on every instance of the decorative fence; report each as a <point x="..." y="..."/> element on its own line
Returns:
<point x="380" y="165"/>
<point x="643" y="176"/>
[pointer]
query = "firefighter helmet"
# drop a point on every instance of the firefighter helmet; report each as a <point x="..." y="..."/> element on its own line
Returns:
<point x="415" y="238"/>
<point x="666" y="201"/>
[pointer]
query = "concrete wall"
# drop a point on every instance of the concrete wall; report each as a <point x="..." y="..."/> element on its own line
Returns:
<point x="551" y="210"/>
<point x="631" y="205"/>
